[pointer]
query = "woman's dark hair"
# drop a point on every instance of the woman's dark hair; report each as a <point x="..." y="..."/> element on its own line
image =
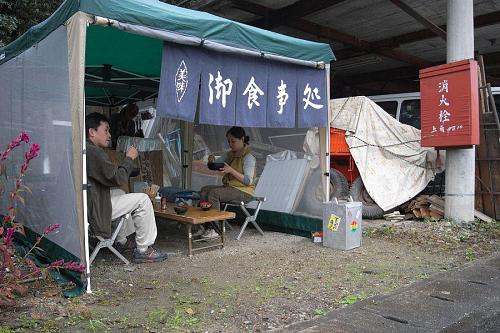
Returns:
<point x="94" y="120"/>
<point x="238" y="133"/>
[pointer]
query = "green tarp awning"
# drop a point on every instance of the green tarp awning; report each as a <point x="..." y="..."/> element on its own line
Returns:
<point x="158" y="15"/>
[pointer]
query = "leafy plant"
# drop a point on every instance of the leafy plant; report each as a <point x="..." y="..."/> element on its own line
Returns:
<point x="351" y="299"/>
<point x="469" y="254"/>
<point x="320" y="312"/>
<point x="16" y="268"/>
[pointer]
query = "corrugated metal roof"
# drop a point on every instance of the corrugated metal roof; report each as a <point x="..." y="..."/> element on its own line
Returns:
<point x="356" y="29"/>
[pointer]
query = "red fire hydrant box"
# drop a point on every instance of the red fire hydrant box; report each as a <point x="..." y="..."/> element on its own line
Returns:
<point x="449" y="105"/>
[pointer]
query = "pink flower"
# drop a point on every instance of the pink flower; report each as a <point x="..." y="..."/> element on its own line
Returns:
<point x="24" y="137"/>
<point x="74" y="266"/>
<point x="32" y="264"/>
<point x="24" y="167"/>
<point x="8" y="236"/>
<point x="14" y="143"/>
<point x="33" y="152"/>
<point x="51" y="228"/>
<point x="57" y="263"/>
<point x="7" y="219"/>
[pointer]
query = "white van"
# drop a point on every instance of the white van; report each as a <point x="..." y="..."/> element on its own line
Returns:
<point x="405" y="107"/>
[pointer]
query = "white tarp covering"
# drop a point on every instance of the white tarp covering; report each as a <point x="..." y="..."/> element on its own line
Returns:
<point x="393" y="165"/>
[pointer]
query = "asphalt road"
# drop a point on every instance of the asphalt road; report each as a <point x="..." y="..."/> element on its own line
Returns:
<point x="465" y="299"/>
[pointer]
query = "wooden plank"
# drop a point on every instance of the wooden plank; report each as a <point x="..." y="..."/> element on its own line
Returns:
<point x="437" y="201"/>
<point x="425" y="212"/>
<point x="417" y="16"/>
<point x="436" y="214"/>
<point x="194" y="215"/>
<point x="482" y="217"/>
<point x="437" y="209"/>
<point x="483" y="201"/>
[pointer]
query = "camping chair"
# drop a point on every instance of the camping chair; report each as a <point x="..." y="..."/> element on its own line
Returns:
<point x="252" y="218"/>
<point x="108" y="242"/>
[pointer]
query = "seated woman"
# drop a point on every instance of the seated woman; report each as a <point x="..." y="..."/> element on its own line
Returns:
<point x="239" y="174"/>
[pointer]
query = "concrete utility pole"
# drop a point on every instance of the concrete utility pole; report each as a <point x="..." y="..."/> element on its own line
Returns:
<point x="460" y="163"/>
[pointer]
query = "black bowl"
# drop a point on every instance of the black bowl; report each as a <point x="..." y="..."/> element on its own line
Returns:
<point x="181" y="210"/>
<point x="135" y="172"/>
<point x="215" y="165"/>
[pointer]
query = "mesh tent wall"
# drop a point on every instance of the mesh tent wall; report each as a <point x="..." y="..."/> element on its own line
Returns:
<point x="42" y="87"/>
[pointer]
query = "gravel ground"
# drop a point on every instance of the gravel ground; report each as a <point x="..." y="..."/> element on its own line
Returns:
<point x="259" y="283"/>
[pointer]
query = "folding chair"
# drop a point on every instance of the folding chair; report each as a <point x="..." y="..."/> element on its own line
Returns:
<point x="252" y="218"/>
<point x="108" y="242"/>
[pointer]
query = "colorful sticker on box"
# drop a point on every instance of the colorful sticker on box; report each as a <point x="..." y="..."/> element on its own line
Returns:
<point x="354" y="226"/>
<point x="333" y="223"/>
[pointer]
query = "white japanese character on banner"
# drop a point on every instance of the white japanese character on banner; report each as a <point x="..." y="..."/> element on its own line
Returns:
<point x="222" y="88"/>
<point x="253" y="92"/>
<point x="282" y="96"/>
<point x="444" y="101"/>
<point x="443" y="86"/>
<point x="444" y="116"/>
<point x="311" y="95"/>
<point x="181" y="81"/>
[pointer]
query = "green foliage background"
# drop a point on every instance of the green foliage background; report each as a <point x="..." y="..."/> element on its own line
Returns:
<point x="17" y="16"/>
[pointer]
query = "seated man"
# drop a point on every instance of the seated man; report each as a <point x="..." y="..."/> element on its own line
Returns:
<point x="106" y="204"/>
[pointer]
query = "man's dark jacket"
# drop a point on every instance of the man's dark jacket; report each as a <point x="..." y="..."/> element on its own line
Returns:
<point x="102" y="175"/>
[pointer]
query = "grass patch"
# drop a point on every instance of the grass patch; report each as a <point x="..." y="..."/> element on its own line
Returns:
<point x="470" y="254"/>
<point x="179" y="320"/>
<point x="96" y="325"/>
<point x="320" y="312"/>
<point x="379" y="232"/>
<point x="6" y="330"/>
<point x="351" y="299"/>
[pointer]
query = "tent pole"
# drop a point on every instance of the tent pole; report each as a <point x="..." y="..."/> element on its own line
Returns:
<point x="324" y="143"/>
<point x="77" y="31"/>
<point x="187" y="136"/>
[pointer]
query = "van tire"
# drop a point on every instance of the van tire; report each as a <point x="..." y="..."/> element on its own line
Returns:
<point x="312" y="197"/>
<point x="370" y="209"/>
<point x="339" y="187"/>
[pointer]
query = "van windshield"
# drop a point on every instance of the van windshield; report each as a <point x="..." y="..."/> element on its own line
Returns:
<point x="391" y="107"/>
<point x="410" y="113"/>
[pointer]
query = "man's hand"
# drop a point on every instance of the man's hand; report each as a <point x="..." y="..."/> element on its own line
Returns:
<point x="132" y="153"/>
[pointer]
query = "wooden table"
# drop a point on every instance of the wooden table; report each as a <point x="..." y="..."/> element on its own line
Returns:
<point x="196" y="215"/>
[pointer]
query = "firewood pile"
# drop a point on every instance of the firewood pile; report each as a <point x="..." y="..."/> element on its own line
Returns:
<point x="427" y="206"/>
<point x="432" y="206"/>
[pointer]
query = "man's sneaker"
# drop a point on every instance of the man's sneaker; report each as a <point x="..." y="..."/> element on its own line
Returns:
<point x="151" y="255"/>
<point x="199" y="232"/>
<point x="128" y="247"/>
<point x="209" y="234"/>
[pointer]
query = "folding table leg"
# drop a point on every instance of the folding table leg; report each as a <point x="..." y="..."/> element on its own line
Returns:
<point x="190" y="239"/>
<point x="225" y="221"/>
<point x="223" y="231"/>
